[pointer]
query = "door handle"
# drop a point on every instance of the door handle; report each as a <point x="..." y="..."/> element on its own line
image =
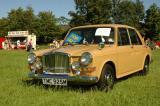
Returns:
<point x="132" y="46"/>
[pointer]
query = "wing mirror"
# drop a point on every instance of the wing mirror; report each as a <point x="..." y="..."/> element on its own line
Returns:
<point x="101" y="45"/>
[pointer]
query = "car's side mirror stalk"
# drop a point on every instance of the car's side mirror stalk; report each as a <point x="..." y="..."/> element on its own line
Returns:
<point x="101" y="45"/>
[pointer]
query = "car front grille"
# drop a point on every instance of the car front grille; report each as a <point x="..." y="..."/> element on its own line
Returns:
<point x="56" y="62"/>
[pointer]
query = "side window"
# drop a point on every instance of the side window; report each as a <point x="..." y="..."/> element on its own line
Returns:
<point x="139" y="40"/>
<point x="134" y="37"/>
<point x="123" y="38"/>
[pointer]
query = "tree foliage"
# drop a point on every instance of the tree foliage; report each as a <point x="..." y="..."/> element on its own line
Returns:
<point x="107" y="11"/>
<point x="152" y="21"/>
<point x="130" y="13"/>
<point x="63" y="20"/>
<point x="91" y="12"/>
<point x="20" y="19"/>
<point x="3" y="26"/>
<point x="46" y="26"/>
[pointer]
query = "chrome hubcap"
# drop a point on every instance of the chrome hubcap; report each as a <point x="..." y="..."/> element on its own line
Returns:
<point x="108" y="79"/>
<point x="146" y="67"/>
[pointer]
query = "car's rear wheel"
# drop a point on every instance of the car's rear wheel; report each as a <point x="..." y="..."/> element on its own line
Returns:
<point x="145" y="69"/>
<point x="107" y="78"/>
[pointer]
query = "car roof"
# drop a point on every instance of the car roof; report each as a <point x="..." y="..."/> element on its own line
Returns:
<point x="103" y="25"/>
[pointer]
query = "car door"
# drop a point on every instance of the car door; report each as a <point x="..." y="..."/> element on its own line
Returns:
<point x="125" y="53"/>
<point x="138" y="49"/>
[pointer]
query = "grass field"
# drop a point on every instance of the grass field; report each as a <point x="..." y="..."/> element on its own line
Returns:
<point x="134" y="91"/>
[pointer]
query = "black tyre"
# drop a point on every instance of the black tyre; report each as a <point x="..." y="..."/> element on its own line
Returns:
<point x="145" y="69"/>
<point x="107" y="78"/>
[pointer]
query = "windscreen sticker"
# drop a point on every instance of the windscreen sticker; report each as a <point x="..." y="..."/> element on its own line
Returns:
<point x="103" y="32"/>
<point x="73" y="37"/>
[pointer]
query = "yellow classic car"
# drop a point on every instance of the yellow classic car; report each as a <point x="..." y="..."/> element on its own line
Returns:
<point x="92" y="54"/>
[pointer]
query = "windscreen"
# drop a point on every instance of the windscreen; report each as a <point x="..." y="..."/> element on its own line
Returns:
<point x="90" y="36"/>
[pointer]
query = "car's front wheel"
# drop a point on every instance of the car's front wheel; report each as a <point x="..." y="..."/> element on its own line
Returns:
<point x="107" y="78"/>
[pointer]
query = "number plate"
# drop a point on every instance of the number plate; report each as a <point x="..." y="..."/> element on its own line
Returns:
<point x="52" y="81"/>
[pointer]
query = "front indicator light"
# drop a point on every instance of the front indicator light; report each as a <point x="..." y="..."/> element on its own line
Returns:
<point x="75" y="65"/>
<point x="38" y="65"/>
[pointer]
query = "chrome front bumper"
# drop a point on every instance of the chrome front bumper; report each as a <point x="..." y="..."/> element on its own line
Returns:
<point x="71" y="79"/>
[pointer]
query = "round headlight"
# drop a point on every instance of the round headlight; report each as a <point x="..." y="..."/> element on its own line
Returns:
<point x="75" y="65"/>
<point x="38" y="65"/>
<point x="86" y="58"/>
<point x="31" y="58"/>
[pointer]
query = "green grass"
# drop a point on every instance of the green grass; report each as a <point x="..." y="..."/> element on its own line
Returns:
<point x="44" y="46"/>
<point x="135" y="90"/>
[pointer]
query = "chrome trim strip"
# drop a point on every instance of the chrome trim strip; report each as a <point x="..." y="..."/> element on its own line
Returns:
<point x="45" y="72"/>
<point x="71" y="79"/>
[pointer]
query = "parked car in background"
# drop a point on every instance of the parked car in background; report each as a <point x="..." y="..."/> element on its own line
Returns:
<point x="92" y="55"/>
<point x="157" y="44"/>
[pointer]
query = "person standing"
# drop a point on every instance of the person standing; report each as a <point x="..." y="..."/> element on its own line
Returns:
<point x="56" y="44"/>
<point x="18" y="43"/>
<point x="29" y="47"/>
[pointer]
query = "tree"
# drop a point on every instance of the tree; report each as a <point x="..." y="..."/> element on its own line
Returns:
<point x="115" y="10"/>
<point x="20" y="19"/>
<point x="130" y="13"/>
<point x="15" y="18"/>
<point x="46" y="26"/>
<point x="108" y="11"/>
<point x="91" y="12"/>
<point x="29" y="20"/>
<point x="63" y="20"/>
<point x="3" y="27"/>
<point x="152" y="21"/>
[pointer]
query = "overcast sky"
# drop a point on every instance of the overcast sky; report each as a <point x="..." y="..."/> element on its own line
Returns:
<point x="59" y="7"/>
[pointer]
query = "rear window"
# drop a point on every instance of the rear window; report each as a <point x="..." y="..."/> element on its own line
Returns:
<point x="134" y="37"/>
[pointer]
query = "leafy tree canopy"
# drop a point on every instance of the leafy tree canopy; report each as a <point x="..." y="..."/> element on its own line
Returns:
<point x="152" y="21"/>
<point x="91" y="12"/>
